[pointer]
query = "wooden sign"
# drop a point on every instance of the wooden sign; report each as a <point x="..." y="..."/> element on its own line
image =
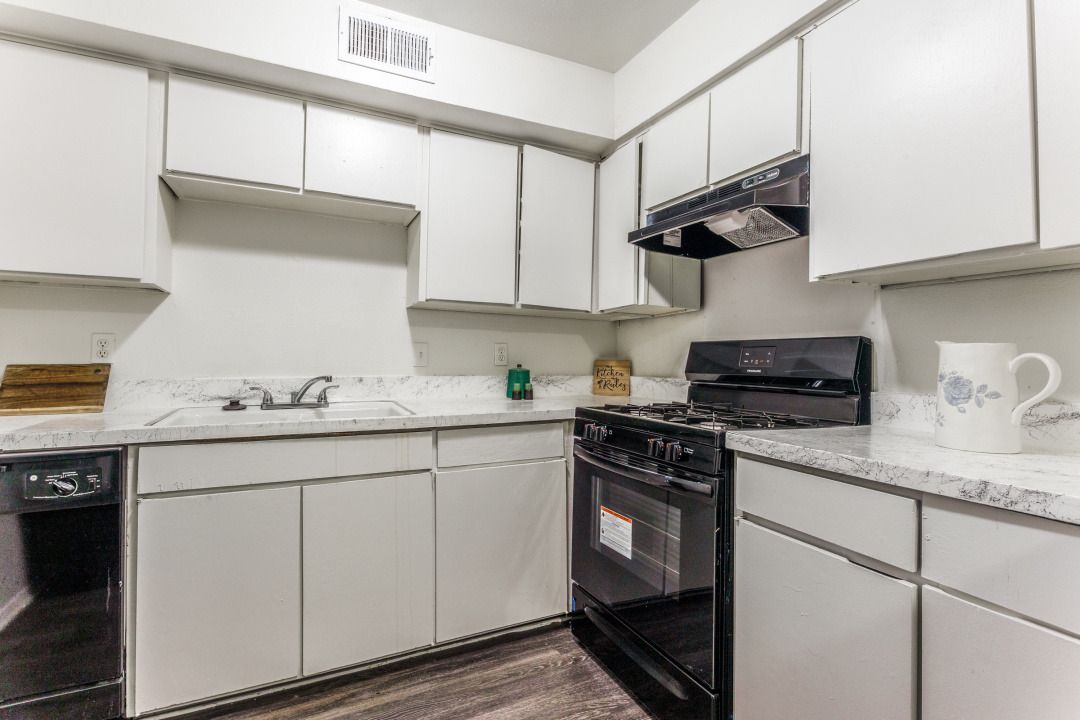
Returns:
<point x="611" y="377"/>
<point x="33" y="389"/>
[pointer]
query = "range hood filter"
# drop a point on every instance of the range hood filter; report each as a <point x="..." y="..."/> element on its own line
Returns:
<point x="749" y="228"/>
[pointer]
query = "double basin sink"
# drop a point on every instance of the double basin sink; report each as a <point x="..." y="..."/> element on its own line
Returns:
<point x="335" y="411"/>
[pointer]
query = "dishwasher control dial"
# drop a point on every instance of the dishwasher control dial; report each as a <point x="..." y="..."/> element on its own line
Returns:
<point x="63" y="487"/>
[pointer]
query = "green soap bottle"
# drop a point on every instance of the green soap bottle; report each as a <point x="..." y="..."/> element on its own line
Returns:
<point x="516" y="376"/>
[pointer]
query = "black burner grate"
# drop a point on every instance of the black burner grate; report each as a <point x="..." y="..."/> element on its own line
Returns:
<point x="714" y="416"/>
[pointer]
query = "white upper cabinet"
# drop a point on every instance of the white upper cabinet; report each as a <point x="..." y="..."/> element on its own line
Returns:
<point x="921" y="133"/>
<point x="1057" y="26"/>
<point x="470" y="220"/>
<point x="756" y="114"/>
<point x="361" y="156"/>
<point x="74" y="187"/>
<point x="556" y="230"/>
<point x="676" y="154"/>
<point x="228" y="132"/>
<point x="616" y="217"/>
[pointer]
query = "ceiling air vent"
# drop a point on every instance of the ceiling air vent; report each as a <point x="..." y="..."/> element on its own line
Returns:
<point x="383" y="43"/>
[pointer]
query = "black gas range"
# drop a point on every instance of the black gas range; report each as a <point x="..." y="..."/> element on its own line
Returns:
<point x="652" y="549"/>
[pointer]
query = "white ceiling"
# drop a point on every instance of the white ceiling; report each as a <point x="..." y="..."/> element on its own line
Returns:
<point x="600" y="33"/>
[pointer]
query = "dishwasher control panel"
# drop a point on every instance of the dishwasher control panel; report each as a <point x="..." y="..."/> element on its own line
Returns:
<point x="43" y="480"/>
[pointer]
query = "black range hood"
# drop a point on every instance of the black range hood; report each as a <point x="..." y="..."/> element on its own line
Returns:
<point x="766" y="207"/>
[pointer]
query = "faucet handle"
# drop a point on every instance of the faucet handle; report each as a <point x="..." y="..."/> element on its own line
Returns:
<point x="322" y="398"/>
<point x="267" y="397"/>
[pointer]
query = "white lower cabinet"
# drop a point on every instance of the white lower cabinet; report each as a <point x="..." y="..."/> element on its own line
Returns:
<point x="369" y="560"/>
<point x="218" y="588"/>
<point x="979" y="664"/>
<point x="500" y="539"/>
<point x="818" y="637"/>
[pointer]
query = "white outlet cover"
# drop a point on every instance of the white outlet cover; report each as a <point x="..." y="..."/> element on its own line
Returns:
<point x="502" y="354"/>
<point x="420" y="354"/>
<point x="102" y="347"/>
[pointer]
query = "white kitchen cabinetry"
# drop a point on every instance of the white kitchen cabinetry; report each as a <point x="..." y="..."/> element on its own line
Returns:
<point x="676" y="154"/>
<point x="223" y="131"/>
<point x="818" y="637"/>
<point x="463" y="247"/>
<point x="79" y="198"/>
<point x="631" y="280"/>
<point x="556" y="266"/>
<point x="500" y="539"/>
<point x="756" y="114"/>
<point x="1057" y="26"/>
<point x="369" y="569"/>
<point x="981" y="664"/>
<point x="361" y="156"/>
<point x="922" y="131"/>
<point x="218" y="588"/>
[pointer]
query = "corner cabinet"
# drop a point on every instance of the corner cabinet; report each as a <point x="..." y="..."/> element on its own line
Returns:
<point x="922" y="136"/>
<point x="630" y="280"/>
<point x="79" y="195"/>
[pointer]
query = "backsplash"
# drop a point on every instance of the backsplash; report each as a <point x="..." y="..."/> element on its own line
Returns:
<point x="171" y="392"/>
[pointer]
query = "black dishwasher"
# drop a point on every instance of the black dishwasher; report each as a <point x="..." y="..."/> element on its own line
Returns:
<point x="61" y="620"/>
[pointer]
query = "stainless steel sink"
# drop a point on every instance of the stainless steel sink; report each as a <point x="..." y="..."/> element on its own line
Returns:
<point x="359" y="409"/>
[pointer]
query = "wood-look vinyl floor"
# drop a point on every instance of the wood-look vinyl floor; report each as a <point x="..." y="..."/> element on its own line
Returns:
<point x="539" y="676"/>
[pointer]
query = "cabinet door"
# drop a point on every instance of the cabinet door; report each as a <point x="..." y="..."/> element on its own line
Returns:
<point x="500" y="547"/>
<point x="922" y="132"/>
<point x="229" y="132"/>
<point x="817" y="637"/>
<point x="676" y="154"/>
<point x="217" y="604"/>
<point x="73" y="188"/>
<point x="616" y="216"/>
<point x="979" y="664"/>
<point x="1057" y="25"/>
<point x="756" y="114"/>
<point x="471" y="219"/>
<point x="556" y="230"/>
<point x="361" y="156"/>
<point x="369" y="569"/>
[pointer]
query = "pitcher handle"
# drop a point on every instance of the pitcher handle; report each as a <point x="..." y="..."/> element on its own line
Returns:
<point x="1052" y="382"/>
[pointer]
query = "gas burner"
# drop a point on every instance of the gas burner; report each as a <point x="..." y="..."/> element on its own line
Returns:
<point x="714" y="416"/>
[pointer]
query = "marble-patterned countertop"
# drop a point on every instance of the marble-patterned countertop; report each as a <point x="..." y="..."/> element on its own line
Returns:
<point x="130" y="427"/>
<point x="1043" y="481"/>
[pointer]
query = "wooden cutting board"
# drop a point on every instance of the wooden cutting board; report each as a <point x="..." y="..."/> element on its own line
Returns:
<point x="36" y="389"/>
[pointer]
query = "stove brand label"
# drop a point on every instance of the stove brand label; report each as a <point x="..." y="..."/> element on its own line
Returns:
<point x="617" y="532"/>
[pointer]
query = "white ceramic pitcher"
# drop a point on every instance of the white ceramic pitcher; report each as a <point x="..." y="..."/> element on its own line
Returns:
<point x="978" y="404"/>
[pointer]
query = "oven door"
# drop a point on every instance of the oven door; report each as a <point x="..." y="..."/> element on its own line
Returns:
<point x="645" y="546"/>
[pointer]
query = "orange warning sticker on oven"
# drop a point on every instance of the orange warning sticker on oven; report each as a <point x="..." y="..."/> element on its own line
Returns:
<point x="617" y="532"/>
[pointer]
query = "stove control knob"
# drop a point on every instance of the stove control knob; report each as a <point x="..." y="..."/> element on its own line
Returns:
<point x="602" y="432"/>
<point x="673" y="452"/>
<point x="589" y="431"/>
<point x="656" y="447"/>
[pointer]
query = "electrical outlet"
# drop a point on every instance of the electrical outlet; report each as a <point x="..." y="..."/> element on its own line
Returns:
<point x="419" y="354"/>
<point x="102" y="347"/>
<point x="502" y="354"/>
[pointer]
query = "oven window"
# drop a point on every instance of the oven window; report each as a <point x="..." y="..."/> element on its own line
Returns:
<point x="639" y="533"/>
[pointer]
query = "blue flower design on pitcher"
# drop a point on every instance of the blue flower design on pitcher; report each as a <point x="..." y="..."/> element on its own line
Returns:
<point x="958" y="391"/>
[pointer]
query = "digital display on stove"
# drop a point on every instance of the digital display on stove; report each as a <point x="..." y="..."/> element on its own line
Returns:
<point x="756" y="357"/>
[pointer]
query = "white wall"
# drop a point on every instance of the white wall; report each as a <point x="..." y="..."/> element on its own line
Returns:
<point x="710" y="37"/>
<point x="765" y="293"/>
<point x="759" y="293"/>
<point x="273" y="293"/>
<point x="481" y="84"/>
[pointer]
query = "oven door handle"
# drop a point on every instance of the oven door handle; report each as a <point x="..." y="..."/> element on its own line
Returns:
<point x="649" y="477"/>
